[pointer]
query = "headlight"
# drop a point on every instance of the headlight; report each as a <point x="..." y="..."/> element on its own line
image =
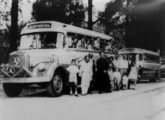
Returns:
<point x="15" y="61"/>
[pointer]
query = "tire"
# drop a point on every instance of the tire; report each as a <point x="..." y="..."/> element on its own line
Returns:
<point x="12" y="90"/>
<point x="50" y="90"/>
<point x="152" y="79"/>
<point x="56" y="87"/>
<point x="158" y="75"/>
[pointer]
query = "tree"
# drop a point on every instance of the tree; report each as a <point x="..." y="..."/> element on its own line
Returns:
<point x="14" y="26"/>
<point x="145" y="29"/>
<point x="137" y="23"/>
<point x="67" y="11"/>
<point x="114" y="20"/>
<point x="90" y="22"/>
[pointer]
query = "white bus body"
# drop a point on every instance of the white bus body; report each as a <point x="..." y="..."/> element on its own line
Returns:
<point x="42" y="57"/>
<point x="148" y="61"/>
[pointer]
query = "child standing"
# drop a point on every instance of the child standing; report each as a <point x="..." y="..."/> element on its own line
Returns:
<point x="111" y="78"/>
<point x="133" y="74"/>
<point x="117" y="79"/>
<point x="73" y="71"/>
<point x="125" y="81"/>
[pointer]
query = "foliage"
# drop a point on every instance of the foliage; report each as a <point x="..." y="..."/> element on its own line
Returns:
<point x="5" y="13"/>
<point x="67" y="11"/>
<point x="115" y="19"/>
<point x="137" y="23"/>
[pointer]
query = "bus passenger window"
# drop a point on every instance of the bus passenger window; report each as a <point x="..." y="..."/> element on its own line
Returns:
<point x="108" y="46"/>
<point x="68" y="42"/>
<point x="97" y="44"/>
<point x="90" y="45"/>
<point x="140" y="57"/>
<point x="80" y="43"/>
<point x="75" y="40"/>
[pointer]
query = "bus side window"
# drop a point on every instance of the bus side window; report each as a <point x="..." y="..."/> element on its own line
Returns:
<point x="80" y="44"/>
<point x="108" y="46"/>
<point x="89" y="43"/>
<point x="140" y="57"/>
<point x="96" y="44"/>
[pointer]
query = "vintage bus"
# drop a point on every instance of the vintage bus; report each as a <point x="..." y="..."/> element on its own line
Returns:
<point x="46" y="49"/>
<point x="147" y="61"/>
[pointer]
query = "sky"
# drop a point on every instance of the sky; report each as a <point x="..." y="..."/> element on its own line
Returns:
<point x="98" y="4"/>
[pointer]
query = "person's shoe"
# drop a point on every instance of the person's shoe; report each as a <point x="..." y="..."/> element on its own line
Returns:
<point x="76" y="95"/>
<point x="83" y="94"/>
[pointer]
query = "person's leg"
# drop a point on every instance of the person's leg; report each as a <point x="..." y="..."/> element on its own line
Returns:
<point x="100" y="82"/>
<point x="82" y="86"/>
<point x="128" y="87"/>
<point x="78" y="84"/>
<point x="88" y="85"/>
<point x="75" y="88"/>
<point x="135" y="83"/>
<point x="71" y="88"/>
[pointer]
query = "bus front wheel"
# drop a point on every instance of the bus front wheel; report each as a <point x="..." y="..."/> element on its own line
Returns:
<point x="56" y="86"/>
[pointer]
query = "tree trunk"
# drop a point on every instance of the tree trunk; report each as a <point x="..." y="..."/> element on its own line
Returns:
<point x="14" y="26"/>
<point x="90" y="22"/>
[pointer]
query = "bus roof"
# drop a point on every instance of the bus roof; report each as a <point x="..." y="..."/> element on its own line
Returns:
<point x="53" y="26"/>
<point x="136" y="50"/>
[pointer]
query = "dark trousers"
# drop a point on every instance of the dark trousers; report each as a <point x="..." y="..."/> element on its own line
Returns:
<point x="102" y="82"/>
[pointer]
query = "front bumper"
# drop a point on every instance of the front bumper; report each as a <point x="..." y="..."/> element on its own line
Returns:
<point x="25" y="80"/>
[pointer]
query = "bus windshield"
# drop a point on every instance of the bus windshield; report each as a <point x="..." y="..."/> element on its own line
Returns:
<point x="41" y="40"/>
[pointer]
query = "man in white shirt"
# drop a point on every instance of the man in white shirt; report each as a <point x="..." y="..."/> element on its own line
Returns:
<point x="86" y="75"/>
<point x="123" y="65"/>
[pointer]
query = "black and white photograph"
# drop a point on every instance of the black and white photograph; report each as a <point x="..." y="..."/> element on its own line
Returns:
<point x="82" y="59"/>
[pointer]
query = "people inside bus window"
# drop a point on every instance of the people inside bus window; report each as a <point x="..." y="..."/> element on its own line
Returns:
<point x="68" y="42"/>
<point x="36" y="38"/>
<point x="89" y="47"/>
<point x="84" y="44"/>
<point x="108" y="47"/>
<point x="75" y="40"/>
<point x="97" y="44"/>
<point x="79" y="44"/>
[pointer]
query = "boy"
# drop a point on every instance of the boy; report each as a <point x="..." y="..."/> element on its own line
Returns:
<point x="73" y="71"/>
<point x="111" y="78"/>
<point x="125" y="81"/>
<point x="117" y="79"/>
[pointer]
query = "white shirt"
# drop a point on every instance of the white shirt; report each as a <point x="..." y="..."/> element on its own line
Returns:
<point x="73" y="69"/>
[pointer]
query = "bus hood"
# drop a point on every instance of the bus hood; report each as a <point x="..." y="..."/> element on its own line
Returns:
<point x="41" y="56"/>
<point x="50" y="55"/>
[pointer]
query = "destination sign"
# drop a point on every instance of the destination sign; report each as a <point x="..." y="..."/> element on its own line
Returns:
<point x="39" y="25"/>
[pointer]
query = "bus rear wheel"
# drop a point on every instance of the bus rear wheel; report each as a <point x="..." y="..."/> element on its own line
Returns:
<point x="12" y="90"/>
<point x="56" y="86"/>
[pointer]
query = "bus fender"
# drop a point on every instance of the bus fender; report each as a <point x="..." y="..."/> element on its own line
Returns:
<point x="51" y="70"/>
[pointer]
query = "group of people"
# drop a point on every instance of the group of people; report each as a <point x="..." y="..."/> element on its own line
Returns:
<point x="88" y="44"/>
<point x="106" y="74"/>
<point x="80" y="70"/>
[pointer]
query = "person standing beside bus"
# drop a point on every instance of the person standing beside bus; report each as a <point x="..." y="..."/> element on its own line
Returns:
<point x="73" y="72"/>
<point x="123" y="65"/>
<point x="111" y="78"/>
<point x="133" y="75"/>
<point x="116" y="62"/>
<point x="86" y="75"/>
<point x="117" y="79"/>
<point x="102" y="80"/>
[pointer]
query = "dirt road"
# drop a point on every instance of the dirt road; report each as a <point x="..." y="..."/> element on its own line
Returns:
<point x="145" y="103"/>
